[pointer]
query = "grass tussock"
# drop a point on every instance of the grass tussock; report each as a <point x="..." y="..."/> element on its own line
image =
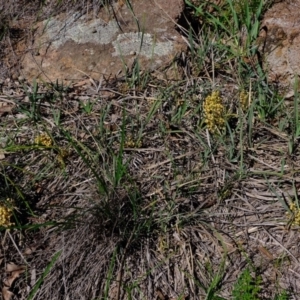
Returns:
<point x="143" y="188"/>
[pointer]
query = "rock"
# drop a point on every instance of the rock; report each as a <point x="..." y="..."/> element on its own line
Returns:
<point x="280" y="44"/>
<point x="68" y="47"/>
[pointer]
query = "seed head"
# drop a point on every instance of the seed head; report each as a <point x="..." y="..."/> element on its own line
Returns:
<point x="244" y="97"/>
<point x="295" y="211"/>
<point x="43" y="139"/>
<point x="214" y="112"/>
<point x="5" y="215"/>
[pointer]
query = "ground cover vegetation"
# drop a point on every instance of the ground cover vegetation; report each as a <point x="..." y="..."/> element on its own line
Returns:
<point x="148" y="187"/>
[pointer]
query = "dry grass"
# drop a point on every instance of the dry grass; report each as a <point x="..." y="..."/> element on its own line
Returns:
<point x="139" y="199"/>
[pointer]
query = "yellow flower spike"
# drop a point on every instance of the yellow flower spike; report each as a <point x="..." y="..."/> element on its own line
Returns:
<point x="294" y="214"/>
<point x="244" y="100"/>
<point x="62" y="156"/>
<point x="43" y="139"/>
<point x="214" y="112"/>
<point x="5" y="215"/>
<point x="131" y="143"/>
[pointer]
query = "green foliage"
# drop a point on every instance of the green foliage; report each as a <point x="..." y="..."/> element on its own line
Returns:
<point x="294" y="121"/>
<point x="268" y="103"/>
<point x="87" y="106"/>
<point x="229" y="20"/>
<point x="247" y="287"/>
<point x="282" y="296"/>
<point x="33" y="111"/>
<point x="40" y="281"/>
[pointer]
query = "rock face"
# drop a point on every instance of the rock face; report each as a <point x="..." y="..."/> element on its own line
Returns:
<point x="69" y="46"/>
<point x="280" y="43"/>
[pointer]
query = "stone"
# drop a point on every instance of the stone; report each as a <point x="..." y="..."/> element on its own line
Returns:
<point x="70" y="46"/>
<point x="279" y="44"/>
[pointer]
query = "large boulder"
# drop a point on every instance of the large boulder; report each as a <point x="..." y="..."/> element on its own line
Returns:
<point x="68" y="46"/>
<point x="279" y="43"/>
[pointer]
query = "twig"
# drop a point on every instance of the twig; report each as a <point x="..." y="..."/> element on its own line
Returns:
<point x="17" y="247"/>
<point x="169" y="160"/>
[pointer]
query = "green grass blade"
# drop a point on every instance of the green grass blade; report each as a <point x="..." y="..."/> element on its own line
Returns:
<point x="47" y="270"/>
